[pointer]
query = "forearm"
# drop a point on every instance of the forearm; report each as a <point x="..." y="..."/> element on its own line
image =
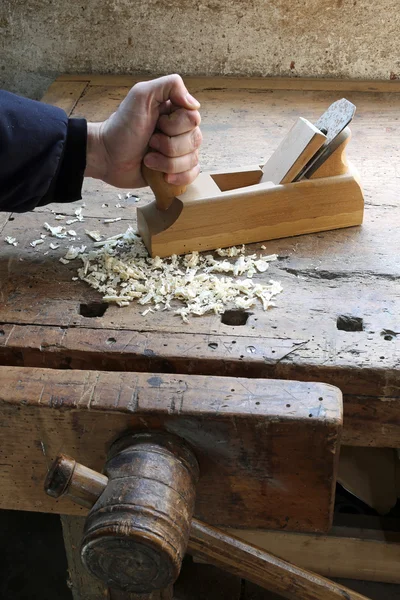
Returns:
<point x="42" y="154"/>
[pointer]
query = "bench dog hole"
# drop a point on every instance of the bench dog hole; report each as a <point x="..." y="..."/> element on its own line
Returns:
<point x="93" y="309"/>
<point x="349" y="323"/>
<point x="235" y="317"/>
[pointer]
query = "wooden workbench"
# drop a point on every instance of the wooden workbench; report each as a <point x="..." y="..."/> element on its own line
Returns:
<point x="338" y="318"/>
<point x="352" y="272"/>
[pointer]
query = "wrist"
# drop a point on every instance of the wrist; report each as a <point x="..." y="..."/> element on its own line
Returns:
<point x="95" y="152"/>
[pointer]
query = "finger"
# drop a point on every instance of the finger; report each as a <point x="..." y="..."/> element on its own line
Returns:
<point x="178" y="145"/>
<point x="185" y="178"/>
<point x="170" y="87"/>
<point x="166" y="164"/>
<point x="178" y="122"/>
<point x="166" y="108"/>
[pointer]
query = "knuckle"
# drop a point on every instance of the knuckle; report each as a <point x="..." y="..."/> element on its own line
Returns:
<point x="175" y="78"/>
<point x="193" y="117"/>
<point x="197" y="137"/>
<point x="139" y="89"/>
<point x="169" y="146"/>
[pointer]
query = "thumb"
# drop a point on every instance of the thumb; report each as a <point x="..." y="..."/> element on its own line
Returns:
<point x="171" y="87"/>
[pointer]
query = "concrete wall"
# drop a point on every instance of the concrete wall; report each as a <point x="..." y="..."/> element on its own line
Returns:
<point x="323" y="38"/>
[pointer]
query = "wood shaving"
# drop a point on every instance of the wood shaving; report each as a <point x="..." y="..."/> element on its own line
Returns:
<point x="78" y="213"/>
<point x="37" y="243"/>
<point x="112" y="220"/>
<point x="11" y="240"/>
<point x="59" y="217"/>
<point x="64" y="261"/>
<point x="95" y="235"/>
<point x="73" y="252"/>
<point x="54" y="246"/>
<point x="72" y="233"/>
<point x="122" y="271"/>
<point x="233" y="251"/>
<point x="58" y="232"/>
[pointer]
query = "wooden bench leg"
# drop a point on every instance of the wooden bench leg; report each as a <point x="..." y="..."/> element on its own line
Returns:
<point x="82" y="584"/>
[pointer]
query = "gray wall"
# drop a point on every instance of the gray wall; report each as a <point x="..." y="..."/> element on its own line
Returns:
<point x="323" y="38"/>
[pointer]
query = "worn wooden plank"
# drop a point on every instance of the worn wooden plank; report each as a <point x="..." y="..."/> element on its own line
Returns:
<point x="83" y="585"/>
<point x="261" y="567"/>
<point x="345" y="553"/>
<point x="371" y="417"/>
<point x="349" y="272"/>
<point x="267" y="449"/>
<point x="65" y="94"/>
<point x="325" y="286"/>
<point x="257" y="83"/>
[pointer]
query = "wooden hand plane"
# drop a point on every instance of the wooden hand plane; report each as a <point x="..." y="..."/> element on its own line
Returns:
<point x="306" y="186"/>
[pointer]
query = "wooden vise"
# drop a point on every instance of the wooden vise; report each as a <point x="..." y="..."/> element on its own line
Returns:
<point x="260" y="455"/>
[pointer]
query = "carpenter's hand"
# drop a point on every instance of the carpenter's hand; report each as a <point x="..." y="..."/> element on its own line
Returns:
<point x="158" y="121"/>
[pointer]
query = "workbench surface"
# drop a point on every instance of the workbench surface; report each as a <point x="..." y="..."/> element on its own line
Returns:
<point x="351" y="272"/>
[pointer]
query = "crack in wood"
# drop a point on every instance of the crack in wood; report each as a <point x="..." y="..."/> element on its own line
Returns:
<point x="323" y="274"/>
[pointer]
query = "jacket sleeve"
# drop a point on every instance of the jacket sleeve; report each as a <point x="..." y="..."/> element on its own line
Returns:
<point x="42" y="154"/>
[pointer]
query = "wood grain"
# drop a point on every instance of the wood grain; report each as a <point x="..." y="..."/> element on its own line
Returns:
<point x="265" y="462"/>
<point x="69" y="478"/>
<point x="262" y="568"/>
<point x="164" y="192"/>
<point x="143" y="516"/>
<point x="198" y="222"/>
<point x="293" y="153"/>
<point x="65" y="94"/>
<point x="347" y="272"/>
<point x="82" y="584"/>
<point x="258" y="83"/>
<point x="371" y="398"/>
<point x="346" y="552"/>
<point x="224" y="548"/>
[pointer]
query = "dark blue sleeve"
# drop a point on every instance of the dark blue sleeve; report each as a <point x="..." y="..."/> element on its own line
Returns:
<point x="42" y="154"/>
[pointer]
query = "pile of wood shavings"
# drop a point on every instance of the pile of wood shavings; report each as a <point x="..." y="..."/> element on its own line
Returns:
<point x="121" y="269"/>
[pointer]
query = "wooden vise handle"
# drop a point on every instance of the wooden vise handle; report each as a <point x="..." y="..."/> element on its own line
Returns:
<point x="69" y="478"/>
<point x="164" y="192"/>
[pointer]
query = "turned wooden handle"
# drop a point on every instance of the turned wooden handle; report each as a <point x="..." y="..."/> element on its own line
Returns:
<point x="164" y="192"/>
<point x="262" y="568"/>
<point x="209" y="543"/>
<point x="68" y="478"/>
